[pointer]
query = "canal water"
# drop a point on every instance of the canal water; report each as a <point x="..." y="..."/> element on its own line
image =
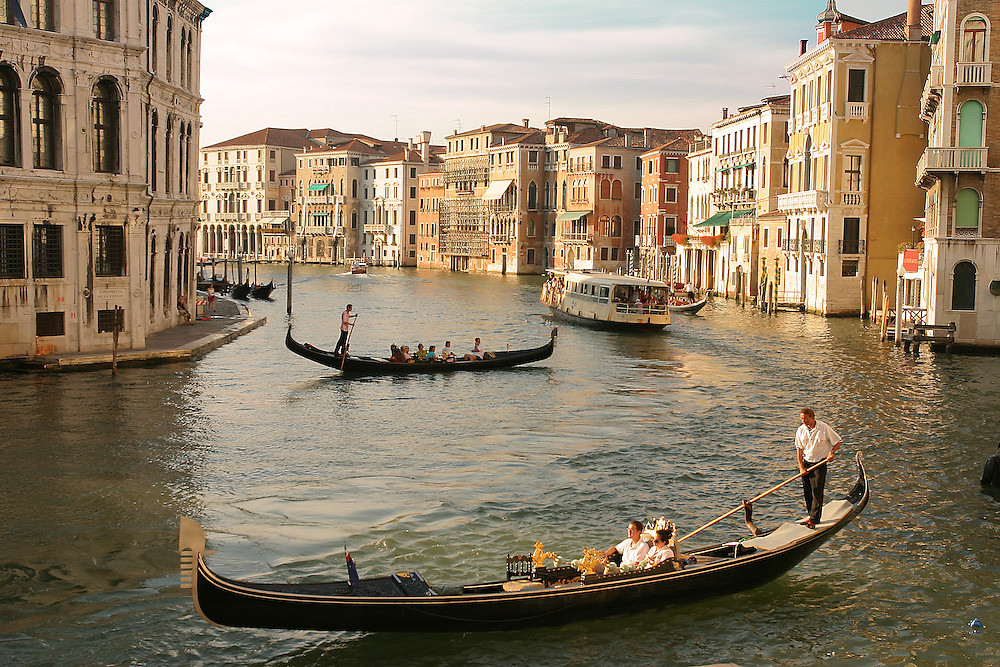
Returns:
<point x="284" y="462"/>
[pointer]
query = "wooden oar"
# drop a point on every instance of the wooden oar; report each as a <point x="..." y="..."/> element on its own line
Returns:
<point x="752" y="500"/>
<point x="347" y="343"/>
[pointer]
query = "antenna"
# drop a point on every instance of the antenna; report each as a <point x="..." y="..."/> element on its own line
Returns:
<point x="459" y="123"/>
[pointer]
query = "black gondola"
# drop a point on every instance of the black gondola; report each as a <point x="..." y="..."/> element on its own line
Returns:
<point x="381" y="366"/>
<point x="262" y="291"/>
<point x="407" y="603"/>
<point x="241" y="292"/>
<point x="688" y="308"/>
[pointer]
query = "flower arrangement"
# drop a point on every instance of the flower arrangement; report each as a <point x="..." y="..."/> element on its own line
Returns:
<point x="593" y="562"/>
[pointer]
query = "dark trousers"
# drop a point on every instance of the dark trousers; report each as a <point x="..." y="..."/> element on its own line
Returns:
<point x="812" y="489"/>
<point x="341" y="344"/>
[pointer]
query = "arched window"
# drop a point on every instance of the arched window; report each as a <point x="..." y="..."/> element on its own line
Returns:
<point x="154" y="41"/>
<point x="967" y="212"/>
<point x="970" y="124"/>
<point x="44" y="117"/>
<point x="354" y="188"/>
<point x="168" y="137"/>
<point x="10" y="118"/>
<point x="974" y="40"/>
<point x="963" y="287"/>
<point x="564" y="195"/>
<point x="169" y="41"/>
<point x="548" y="198"/>
<point x="605" y="190"/>
<point x="183" y="54"/>
<point x="616" y="189"/>
<point x="616" y="226"/>
<point x="532" y="197"/>
<point x="153" y="139"/>
<point x="106" y="126"/>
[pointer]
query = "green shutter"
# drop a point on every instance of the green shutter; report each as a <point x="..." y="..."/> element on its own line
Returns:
<point x="967" y="208"/>
<point x="970" y="125"/>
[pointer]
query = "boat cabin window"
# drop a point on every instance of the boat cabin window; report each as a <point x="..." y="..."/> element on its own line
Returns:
<point x="603" y="296"/>
<point x="621" y="294"/>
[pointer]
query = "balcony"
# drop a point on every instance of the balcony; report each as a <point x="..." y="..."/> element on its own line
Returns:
<point x="808" y="200"/>
<point x="931" y="96"/>
<point x="974" y="74"/>
<point x="851" y="247"/>
<point x="852" y="199"/>
<point x="735" y="197"/>
<point x="949" y="160"/>
<point x="376" y="228"/>
<point x="856" y="110"/>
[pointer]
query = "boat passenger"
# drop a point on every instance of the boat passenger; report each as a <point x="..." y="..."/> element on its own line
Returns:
<point x="431" y="354"/>
<point x="632" y="549"/>
<point x="446" y="353"/>
<point x="664" y="548"/>
<point x="407" y="357"/>
<point x="421" y="352"/>
<point x="477" y="352"/>
<point x="396" y="354"/>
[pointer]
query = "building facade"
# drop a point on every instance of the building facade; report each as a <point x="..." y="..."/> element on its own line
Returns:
<point x="854" y="106"/>
<point x="100" y="120"/>
<point x="956" y="275"/>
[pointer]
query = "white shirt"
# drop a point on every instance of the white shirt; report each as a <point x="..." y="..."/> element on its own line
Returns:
<point x="658" y="555"/>
<point x="632" y="553"/>
<point x="817" y="442"/>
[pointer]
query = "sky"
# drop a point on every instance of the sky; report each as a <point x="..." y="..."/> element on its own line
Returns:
<point x="391" y="69"/>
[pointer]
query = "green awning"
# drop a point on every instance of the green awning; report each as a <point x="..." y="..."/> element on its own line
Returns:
<point x="572" y="215"/>
<point x="318" y="186"/>
<point x="316" y="215"/>
<point x="720" y="219"/>
<point x="742" y="213"/>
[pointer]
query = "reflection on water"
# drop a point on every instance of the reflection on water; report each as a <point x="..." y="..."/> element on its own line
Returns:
<point x="285" y="462"/>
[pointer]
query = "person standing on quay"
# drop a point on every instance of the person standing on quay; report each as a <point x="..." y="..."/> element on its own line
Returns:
<point x="815" y="443"/>
<point x="345" y="326"/>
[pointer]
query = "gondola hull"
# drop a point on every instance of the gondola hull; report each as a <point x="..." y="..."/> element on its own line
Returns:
<point x="363" y="365"/>
<point x="262" y="292"/>
<point x="688" y="308"/>
<point x="416" y="607"/>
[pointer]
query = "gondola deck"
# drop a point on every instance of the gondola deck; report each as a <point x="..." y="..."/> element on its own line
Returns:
<point x="407" y="603"/>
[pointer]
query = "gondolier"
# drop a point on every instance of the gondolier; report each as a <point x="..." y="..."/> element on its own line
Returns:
<point x="815" y="443"/>
<point x="345" y="327"/>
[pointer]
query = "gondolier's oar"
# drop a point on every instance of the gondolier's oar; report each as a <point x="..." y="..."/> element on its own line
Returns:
<point x="347" y="343"/>
<point x="752" y="500"/>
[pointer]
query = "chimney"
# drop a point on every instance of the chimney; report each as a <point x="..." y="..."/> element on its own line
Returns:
<point x="804" y="44"/>
<point x="725" y="113"/>
<point x="425" y="146"/>
<point x="525" y="121"/>
<point x="913" y="21"/>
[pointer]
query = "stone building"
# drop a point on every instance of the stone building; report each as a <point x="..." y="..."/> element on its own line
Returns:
<point x="241" y="194"/>
<point x="854" y="106"/>
<point x="955" y="276"/>
<point x="99" y="125"/>
<point x="663" y="210"/>
<point x="430" y="190"/>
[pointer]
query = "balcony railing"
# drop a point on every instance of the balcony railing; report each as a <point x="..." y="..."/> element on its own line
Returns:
<point x="806" y="200"/>
<point x="791" y="245"/>
<point x="737" y="196"/>
<point x="852" y="198"/>
<point x="974" y="74"/>
<point x="851" y="247"/>
<point x="953" y="160"/>
<point x="856" y="110"/>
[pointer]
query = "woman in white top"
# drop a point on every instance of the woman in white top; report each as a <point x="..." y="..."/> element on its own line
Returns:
<point x="662" y="549"/>
<point x="633" y="548"/>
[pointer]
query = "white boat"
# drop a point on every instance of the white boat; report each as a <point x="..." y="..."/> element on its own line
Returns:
<point x="607" y="300"/>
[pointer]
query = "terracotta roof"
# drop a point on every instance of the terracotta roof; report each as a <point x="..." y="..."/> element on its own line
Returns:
<point x="533" y="137"/>
<point x="892" y="29"/>
<point x="270" y="136"/>
<point x="496" y="127"/>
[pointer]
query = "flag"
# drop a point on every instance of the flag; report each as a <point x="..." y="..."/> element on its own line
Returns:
<point x="352" y="569"/>
<point x="19" y="14"/>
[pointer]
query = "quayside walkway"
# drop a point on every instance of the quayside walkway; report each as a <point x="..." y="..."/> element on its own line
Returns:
<point x="179" y="343"/>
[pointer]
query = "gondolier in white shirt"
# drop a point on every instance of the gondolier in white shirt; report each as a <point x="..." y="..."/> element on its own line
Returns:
<point x="345" y="326"/>
<point x="815" y="442"/>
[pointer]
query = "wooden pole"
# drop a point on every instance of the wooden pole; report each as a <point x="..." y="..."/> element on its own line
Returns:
<point x="751" y="501"/>
<point x="347" y="344"/>
<point x="119" y="312"/>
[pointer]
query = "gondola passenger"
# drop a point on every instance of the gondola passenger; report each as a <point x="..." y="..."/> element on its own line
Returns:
<point x="477" y="351"/>
<point x="631" y="550"/>
<point x="664" y="548"/>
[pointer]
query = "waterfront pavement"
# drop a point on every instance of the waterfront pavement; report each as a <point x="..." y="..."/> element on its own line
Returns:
<point x="180" y="343"/>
